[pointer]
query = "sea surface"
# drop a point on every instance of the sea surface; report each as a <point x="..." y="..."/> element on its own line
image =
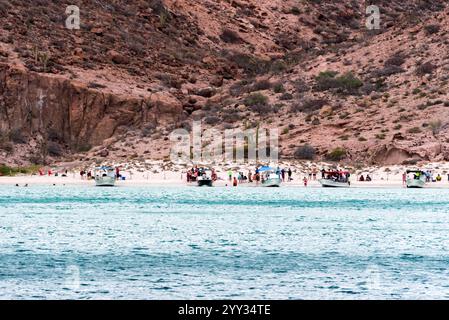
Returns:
<point x="68" y="242"/>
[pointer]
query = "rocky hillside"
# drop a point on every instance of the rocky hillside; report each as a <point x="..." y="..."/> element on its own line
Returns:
<point x="136" y="70"/>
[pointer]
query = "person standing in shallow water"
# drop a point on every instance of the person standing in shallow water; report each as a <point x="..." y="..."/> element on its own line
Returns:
<point x="289" y="174"/>
<point x="235" y="183"/>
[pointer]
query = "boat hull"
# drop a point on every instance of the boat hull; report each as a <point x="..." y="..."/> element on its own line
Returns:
<point x="334" y="184"/>
<point x="204" y="183"/>
<point x="272" y="183"/>
<point x="415" y="183"/>
<point x="105" y="182"/>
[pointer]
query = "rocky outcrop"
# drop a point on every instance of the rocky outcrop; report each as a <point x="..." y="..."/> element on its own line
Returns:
<point x="389" y="154"/>
<point x="43" y="105"/>
<point x="309" y="68"/>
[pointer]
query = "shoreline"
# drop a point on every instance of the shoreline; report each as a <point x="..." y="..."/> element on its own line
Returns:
<point x="33" y="180"/>
<point x="161" y="174"/>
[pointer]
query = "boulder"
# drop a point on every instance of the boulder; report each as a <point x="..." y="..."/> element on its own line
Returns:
<point x="118" y="58"/>
<point x="206" y="92"/>
<point x="103" y="153"/>
<point x="326" y="111"/>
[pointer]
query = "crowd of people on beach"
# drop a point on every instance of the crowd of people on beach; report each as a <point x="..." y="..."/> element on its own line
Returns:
<point x="259" y="174"/>
<point x="83" y="173"/>
<point x="239" y="177"/>
<point x="89" y="175"/>
<point x="194" y="173"/>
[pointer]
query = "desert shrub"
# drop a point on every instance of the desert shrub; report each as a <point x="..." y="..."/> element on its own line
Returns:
<point x="336" y="155"/>
<point x="83" y="147"/>
<point x="261" y="85"/>
<point x="278" y="88"/>
<point x="425" y="68"/>
<point x="148" y="129"/>
<point x="278" y="66"/>
<point x="17" y="136"/>
<point x="169" y="80"/>
<point x="212" y="120"/>
<point x="329" y="74"/>
<point x="239" y="88"/>
<point x="300" y="86"/>
<point x="230" y="36"/>
<point x="54" y="135"/>
<point x="12" y="171"/>
<point x="346" y="83"/>
<point x="250" y="64"/>
<point x="396" y="59"/>
<point x="432" y="29"/>
<point x="309" y="105"/>
<point x="261" y="108"/>
<point x="7" y="146"/>
<point x="387" y="71"/>
<point x="295" y="11"/>
<point x="305" y="152"/>
<point x="5" y="170"/>
<point x="414" y="130"/>
<point x="286" y="96"/>
<point x="255" y="99"/>
<point x="4" y="7"/>
<point x="289" y="41"/>
<point x="54" y="149"/>
<point x="232" y="117"/>
<point x="94" y="85"/>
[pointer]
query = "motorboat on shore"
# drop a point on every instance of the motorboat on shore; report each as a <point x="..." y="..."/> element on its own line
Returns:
<point x="418" y="180"/>
<point x="270" y="177"/>
<point x="205" y="178"/>
<point x="105" y="177"/>
<point x="335" y="179"/>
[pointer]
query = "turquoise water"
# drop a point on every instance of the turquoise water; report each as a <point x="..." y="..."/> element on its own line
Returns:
<point x="223" y="243"/>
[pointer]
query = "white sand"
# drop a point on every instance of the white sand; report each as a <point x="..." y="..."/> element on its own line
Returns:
<point x="159" y="174"/>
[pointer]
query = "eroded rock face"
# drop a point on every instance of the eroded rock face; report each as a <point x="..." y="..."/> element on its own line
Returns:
<point x="37" y="104"/>
<point x="389" y="154"/>
<point x="167" y="63"/>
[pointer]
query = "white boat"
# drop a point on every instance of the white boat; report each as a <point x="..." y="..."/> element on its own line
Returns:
<point x="270" y="177"/>
<point x="328" y="183"/>
<point x="205" y="179"/>
<point x="418" y="180"/>
<point x="105" y="177"/>
<point x="335" y="179"/>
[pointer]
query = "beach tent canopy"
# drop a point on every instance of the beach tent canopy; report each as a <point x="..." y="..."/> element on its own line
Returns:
<point x="105" y="168"/>
<point x="416" y="171"/>
<point x="265" y="168"/>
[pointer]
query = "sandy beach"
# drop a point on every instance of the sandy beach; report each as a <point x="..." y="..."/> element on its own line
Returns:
<point x="160" y="174"/>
